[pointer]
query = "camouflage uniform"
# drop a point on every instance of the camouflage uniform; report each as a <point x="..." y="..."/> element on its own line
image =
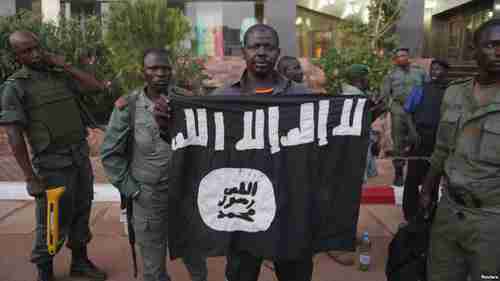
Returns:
<point x="396" y="88"/>
<point x="465" y="235"/>
<point x="36" y="100"/>
<point x="143" y="168"/>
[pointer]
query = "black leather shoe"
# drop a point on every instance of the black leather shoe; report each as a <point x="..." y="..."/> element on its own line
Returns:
<point x="45" y="272"/>
<point x="81" y="266"/>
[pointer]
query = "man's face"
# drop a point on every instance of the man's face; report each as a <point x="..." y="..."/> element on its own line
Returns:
<point x="293" y="71"/>
<point x="157" y="71"/>
<point x="261" y="52"/>
<point x="402" y="58"/>
<point x="438" y="72"/>
<point x="28" y="52"/>
<point x="488" y="49"/>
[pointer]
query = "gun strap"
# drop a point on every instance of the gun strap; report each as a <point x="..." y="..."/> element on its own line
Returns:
<point x="131" y="233"/>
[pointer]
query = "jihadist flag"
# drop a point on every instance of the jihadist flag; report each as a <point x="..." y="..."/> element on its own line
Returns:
<point x="279" y="177"/>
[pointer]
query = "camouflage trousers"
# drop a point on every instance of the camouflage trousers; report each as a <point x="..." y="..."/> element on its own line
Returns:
<point x="150" y="220"/>
<point x="399" y="133"/>
<point x="464" y="241"/>
<point x="74" y="208"/>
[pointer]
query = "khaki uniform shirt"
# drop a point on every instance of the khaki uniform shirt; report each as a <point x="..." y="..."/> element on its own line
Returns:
<point x="399" y="83"/>
<point x="468" y="141"/>
<point x="147" y="162"/>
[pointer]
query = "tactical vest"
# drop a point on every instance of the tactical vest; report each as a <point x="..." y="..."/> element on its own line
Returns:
<point x="54" y="119"/>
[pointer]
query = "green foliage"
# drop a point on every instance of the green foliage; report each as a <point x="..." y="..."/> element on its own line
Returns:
<point x="336" y="62"/>
<point x="71" y="38"/>
<point x="133" y="27"/>
<point x="189" y="70"/>
<point x="384" y="15"/>
<point x="369" y="44"/>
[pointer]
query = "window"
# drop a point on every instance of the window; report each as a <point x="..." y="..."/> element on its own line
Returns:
<point x="315" y="32"/>
<point x="218" y="27"/>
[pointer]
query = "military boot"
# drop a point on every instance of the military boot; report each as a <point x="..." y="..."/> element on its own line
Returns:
<point x="398" y="177"/>
<point x="81" y="266"/>
<point x="45" y="272"/>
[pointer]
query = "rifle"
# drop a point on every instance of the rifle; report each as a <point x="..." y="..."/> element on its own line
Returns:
<point x="130" y="201"/>
<point x="131" y="232"/>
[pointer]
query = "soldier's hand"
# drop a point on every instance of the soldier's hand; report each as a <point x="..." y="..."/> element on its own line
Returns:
<point x="36" y="186"/>
<point x="430" y="185"/>
<point x="162" y="112"/>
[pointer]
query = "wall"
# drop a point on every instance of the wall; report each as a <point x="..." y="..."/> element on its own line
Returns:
<point x="411" y="27"/>
<point x="281" y="15"/>
<point x="7" y="7"/>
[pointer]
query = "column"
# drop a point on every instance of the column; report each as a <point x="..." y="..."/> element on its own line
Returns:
<point x="496" y="9"/>
<point x="51" y="10"/>
<point x="281" y="15"/>
<point x="410" y="27"/>
<point x="7" y="7"/>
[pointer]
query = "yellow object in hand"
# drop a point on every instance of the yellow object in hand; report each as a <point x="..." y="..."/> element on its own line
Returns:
<point x="53" y="196"/>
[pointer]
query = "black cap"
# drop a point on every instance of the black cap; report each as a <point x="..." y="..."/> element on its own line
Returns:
<point x="443" y="63"/>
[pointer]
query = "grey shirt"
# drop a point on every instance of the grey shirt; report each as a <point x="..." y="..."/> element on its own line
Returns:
<point x="283" y="87"/>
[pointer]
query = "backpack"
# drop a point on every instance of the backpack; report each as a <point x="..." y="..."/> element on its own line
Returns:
<point x="407" y="257"/>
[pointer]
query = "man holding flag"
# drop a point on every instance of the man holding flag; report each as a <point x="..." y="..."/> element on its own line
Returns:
<point x="265" y="196"/>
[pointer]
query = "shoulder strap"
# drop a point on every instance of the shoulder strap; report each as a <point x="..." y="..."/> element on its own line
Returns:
<point x="132" y="106"/>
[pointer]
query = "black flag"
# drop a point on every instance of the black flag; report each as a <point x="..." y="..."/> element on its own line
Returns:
<point x="279" y="177"/>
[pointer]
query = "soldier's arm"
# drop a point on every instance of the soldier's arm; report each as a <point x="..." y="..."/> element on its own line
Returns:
<point x="13" y="119"/>
<point x="443" y="145"/>
<point x="115" y="154"/>
<point x="86" y="80"/>
<point x="20" y="150"/>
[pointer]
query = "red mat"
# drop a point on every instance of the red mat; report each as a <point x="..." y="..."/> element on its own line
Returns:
<point x="378" y="195"/>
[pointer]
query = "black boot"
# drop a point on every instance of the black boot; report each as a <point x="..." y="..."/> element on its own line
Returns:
<point x="398" y="177"/>
<point x="81" y="266"/>
<point x="45" y="272"/>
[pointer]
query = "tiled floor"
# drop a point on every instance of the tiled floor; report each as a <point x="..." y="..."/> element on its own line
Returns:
<point x="109" y="247"/>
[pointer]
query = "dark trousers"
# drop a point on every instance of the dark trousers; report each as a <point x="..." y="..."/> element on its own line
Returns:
<point x="415" y="175"/>
<point x="74" y="213"/>
<point x="242" y="266"/>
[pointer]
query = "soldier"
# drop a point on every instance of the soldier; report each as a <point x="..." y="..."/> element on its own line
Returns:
<point x="465" y="236"/>
<point x="260" y="51"/>
<point x="396" y="88"/>
<point x="33" y="101"/>
<point x="136" y="161"/>
<point x="290" y="68"/>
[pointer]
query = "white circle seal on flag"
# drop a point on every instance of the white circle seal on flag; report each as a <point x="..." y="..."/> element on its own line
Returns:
<point x="237" y="199"/>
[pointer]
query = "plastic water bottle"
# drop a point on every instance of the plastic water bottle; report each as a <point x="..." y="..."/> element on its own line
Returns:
<point x="123" y="219"/>
<point x="364" y="252"/>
